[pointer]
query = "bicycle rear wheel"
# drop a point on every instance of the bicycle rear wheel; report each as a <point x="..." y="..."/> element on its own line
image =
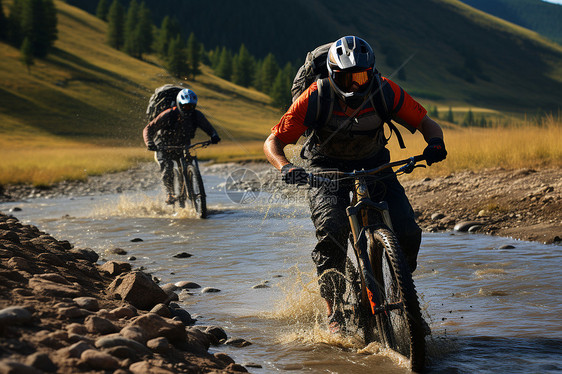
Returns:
<point x="398" y="316"/>
<point x="197" y="190"/>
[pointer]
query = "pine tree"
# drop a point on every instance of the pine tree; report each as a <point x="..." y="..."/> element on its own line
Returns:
<point x="243" y="68"/>
<point x="131" y="44"/>
<point x="39" y="25"/>
<point x="450" y="117"/>
<point x="168" y="30"/>
<point x="27" y="54"/>
<point x="468" y="119"/>
<point x="143" y="31"/>
<point x="177" y="58"/>
<point x="281" y="88"/>
<point x="214" y="57"/>
<point x="269" y="73"/>
<point x="102" y="9"/>
<point x="224" y="69"/>
<point x="193" y="56"/>
<point x="116" y="19"/>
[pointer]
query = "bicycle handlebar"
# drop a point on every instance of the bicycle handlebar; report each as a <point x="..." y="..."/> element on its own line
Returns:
<point x="408" y="165"/>
<point x="185" y="147"/>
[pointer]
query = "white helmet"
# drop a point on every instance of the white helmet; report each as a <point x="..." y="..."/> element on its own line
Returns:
<point x="186" y="101"/>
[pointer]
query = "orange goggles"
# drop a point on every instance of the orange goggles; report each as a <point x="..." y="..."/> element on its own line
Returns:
<point x="345" y="80"/>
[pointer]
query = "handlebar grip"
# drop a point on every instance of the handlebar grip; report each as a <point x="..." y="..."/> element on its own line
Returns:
<point x="419" y="158"/>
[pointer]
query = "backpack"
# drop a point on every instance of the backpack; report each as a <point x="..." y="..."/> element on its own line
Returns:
<point x="164" y="97"/>
<point x="315" y="69"/>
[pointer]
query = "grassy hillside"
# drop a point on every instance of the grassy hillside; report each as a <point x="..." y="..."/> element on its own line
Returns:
<point x="460" y="54"/>
<point x="537" y="15"/>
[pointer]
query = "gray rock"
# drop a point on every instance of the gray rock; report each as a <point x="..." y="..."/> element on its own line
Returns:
<point x="474" y="228"/>
<point x="98" y="325"/>
<point x="187" y="285"/>
<point x="437" y="216"/>
<point x="15" y="315"/>
<point x="465" y="225"/>
<point x="138" y="289"/>
<point x="210" y="290"/>
<point x="115" y="340"/>
<point x="88" y="303"/>
<point x="237" y="342"/>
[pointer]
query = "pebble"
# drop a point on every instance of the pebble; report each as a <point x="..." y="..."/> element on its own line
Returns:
<point x="465" y="225"/>
<point x="210" y="290"/>
<point x="15" y="315"/>
<point x="88" y="303"/>
<point x="182" y="255"/>
<point x="237" y="342"/>
<point x="136" y="240"/>
<point x="99" y="360"/>
<point x="186" y="284"/>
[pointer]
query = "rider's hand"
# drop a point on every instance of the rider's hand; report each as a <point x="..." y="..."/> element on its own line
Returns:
<point x="215" y="139"/>
<point x="292" y="174"/>
<point x="151" y="146"/>
<point x="435" y="151"/>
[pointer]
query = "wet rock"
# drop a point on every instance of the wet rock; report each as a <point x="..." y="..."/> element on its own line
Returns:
<point x="115" y="267"/>
<point x="97" y="325"/>
<point x="197" y="340"/>
<point x="117" y="251"/>
<point x="15" y="315"/>
<point x="182" y="255"/>
<point x="210" y="290"/>
<point x="41" y="361"/>
<point x="465" y="225"/>
<point x="85" y="254"/>
<point x="507" y="246"/>
<point x="51" y="259"/>
<point x="136" y="240"/>
<point x="217" y="332"/>
<point x="183" y="316"/>
<point x="261" y="285"/>
<point x="475" y="228"/>
<point x="437" y="216"/>
<point x="252" y="365"/>
<point x="99" y="360"/>
<point x="237" y="367"/>
<point x="169" y="288"/>
<point x="138" y="289"/>
<point x="131" y="258"/>
<point x="224" y="358"/>
<point x="237" y="342"/>
<point x="155" y="326"/>
<point x="187" y="285"/>
<point x="88" y="303"/>
<point x="162" y="310"/>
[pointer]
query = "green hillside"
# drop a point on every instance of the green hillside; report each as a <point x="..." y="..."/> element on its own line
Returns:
<point x="460" y="54"/>
<point x="88" y="92"/>
<point x="537" y="15"/>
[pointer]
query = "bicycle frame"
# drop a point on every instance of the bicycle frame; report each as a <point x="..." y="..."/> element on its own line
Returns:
<point x="359" y="218"/>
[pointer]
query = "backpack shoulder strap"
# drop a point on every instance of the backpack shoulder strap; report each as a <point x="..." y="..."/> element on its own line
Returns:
<point x="326" y="99"/>
<point x="379" y="102"/>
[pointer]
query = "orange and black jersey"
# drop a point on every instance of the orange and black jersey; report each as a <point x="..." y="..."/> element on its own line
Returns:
<point x="349" y="139"/>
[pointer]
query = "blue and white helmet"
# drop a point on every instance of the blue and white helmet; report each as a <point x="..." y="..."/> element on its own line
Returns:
<point x="186" y="101"/>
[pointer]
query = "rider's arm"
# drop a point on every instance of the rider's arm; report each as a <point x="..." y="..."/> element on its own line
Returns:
<point x="155" y="125"/>
<point x="430" y="129"/>
<point x="273" y="149"/>
<point x="204" y="124"/>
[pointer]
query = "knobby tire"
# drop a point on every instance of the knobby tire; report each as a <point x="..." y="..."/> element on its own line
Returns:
<point x="196" y="190"/>
<point x="399" y="326"/>
<point x="180" y="185"/>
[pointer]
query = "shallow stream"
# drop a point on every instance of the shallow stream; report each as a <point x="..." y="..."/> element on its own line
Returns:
<point x="491" y="310"/>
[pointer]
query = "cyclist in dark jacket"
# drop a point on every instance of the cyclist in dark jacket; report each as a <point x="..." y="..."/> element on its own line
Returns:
<point x="175" y="127"/>
<point x="352" y="139"/>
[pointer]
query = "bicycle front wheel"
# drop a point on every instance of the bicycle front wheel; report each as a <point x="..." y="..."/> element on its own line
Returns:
<point x="197" y="190"/>
<point x="398" y="317"/>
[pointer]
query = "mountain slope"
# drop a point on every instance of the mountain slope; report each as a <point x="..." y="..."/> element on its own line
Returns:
<point x="459" y="54"/>
<point x="537" y="15"/>
<point x="87" y="91"/>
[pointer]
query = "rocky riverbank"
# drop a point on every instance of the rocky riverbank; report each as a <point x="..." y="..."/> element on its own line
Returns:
<point x="61" y="312"/>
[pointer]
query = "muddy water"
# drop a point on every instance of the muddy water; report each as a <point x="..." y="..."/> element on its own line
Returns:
<point x="491" y="310"/>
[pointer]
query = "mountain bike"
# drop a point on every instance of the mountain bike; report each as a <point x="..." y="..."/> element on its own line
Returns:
<point x="188" y="184"/>
<point x="376" y="295"/>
